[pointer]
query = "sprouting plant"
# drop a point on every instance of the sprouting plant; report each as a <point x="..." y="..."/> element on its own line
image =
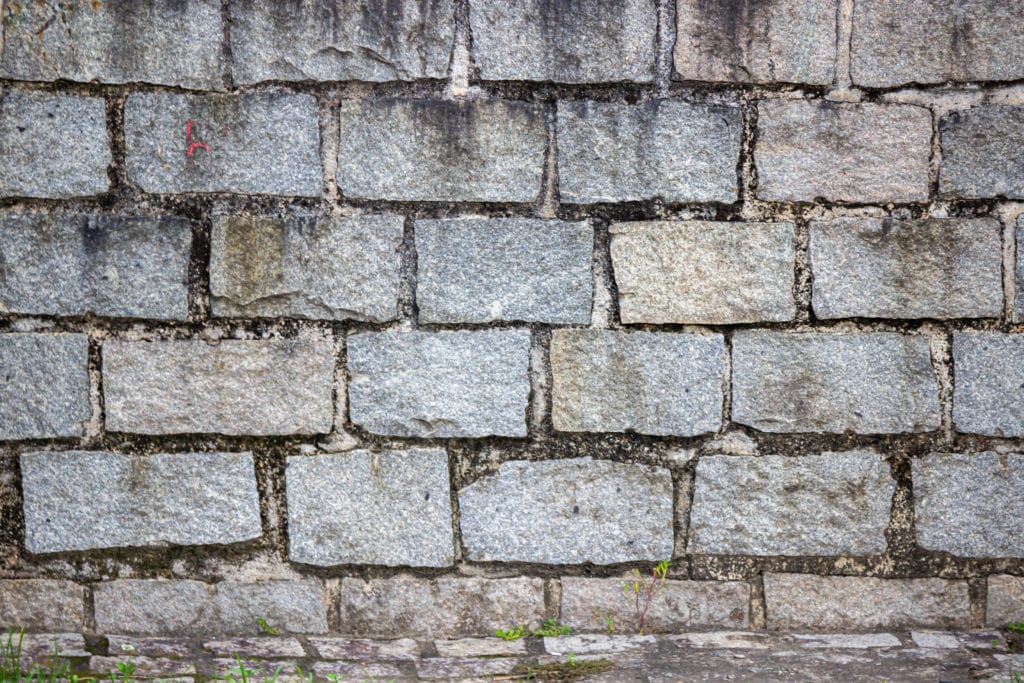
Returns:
<point x="552" y="628"/>
<point x="1016" y="627"/>
<point x="514" y="633"/>
<point x="267" y="629"/>
<point x="10" y="664"/>
<point x="641" y="590"/>
<point x="125" y="671"/>
<point x="607" y="616"/>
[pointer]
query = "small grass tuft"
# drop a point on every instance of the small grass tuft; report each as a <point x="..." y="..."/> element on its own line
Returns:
<point x="570" y="670"/>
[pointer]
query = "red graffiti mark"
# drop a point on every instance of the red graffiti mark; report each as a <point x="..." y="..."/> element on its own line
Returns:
<point x="193" y="146"/>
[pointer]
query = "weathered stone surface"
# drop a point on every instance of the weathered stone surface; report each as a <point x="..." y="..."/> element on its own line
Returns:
<point x="864" y="382"/>
<point x="80" y="500"/>
<point x="596" y="644"/>
<point x="53" y="145"/>
<point x="989" y="369"/>
<point x="842" y="152"/>
<point x="846" y="641"/>
<point x="1018" y="307"/>
<point x="270" y="647"/>
<point x="41" y="605"/>
<point x="369" y="40"/>
<point x="884" y="268"/>
<point x="357" y="649"/>
<point x="677" y="151"/>
<point x="306" y="267"/>
<point x="44" y="385"/>
<point x="440" y="150"/>
<point x="154" y="668"/>
<point x="463" y="669"/>
<point x="110" y="42"/>
<point x="594" y="511"/>
<point x="704" y="272"/>
<point x="722" y="640"/>
<point x="480" y="647"/>
<point x="38" y="648"/>
<point x="648" y="382"/>
<point x="254" y="143"/>
<point x="440" y="384"/>
<point x="150" y="646"/>
<point x="477" y="270"/>
<point x="1005" y="600"/>
<point x="969" y="505"/>
<point x="231" y="387"/>
<point x="982" y="152"/>
<point x="856" y="603"/>
<point x="359" y="671"/>
<point x="779" y="41"/>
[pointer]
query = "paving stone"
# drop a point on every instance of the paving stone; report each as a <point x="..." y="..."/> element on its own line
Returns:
<point x="451" y="669"/>
<point x="647" y="382"/>
<point x="1005" y="600"/>
<point x="480" y="647"/>
<point x="864" y="382"/>
<point x="269" y="647"/>
<point x="722" y="640"/>
<point x="150" y="667"/>
<point x="935" y="640"/>
<point x="872" y="153"/>
<point x="989" y="370"/>
<point x="360" y="671"/>
<point x="855" y="641"/>
<point x="592" y="644"/>
<point x="676" y="151"/>
<point x="44" y="385"/>
<point x="149" y="646"/>
<point x="982" y="152"/>
<point x="704" y="272"/>
<point x="478" y="270"/>
<point x="358" y="649"/>
<point x="41" y="605"/>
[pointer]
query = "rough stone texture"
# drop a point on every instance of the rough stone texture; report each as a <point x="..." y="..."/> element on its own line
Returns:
<point x="112" y="42"/>
<point x="480" y="647"/>
<point x="704" y="272"/>
<point x="575" y="41"/>
<point x="987" y="396"/>
<point x="857" y="603"/>
<point x="356" y="649"/>
<point x="440" y="384"/>
<point x="80" y="500"/>
<point x="477" y="270"/>
<point x="230" y="387"/>
<point x="787" y="41"/>
<point x="969" y="505"/>
<point x="1005" y="600"/>
<point x="1018" y="307"/>
<point x="52" y="145"/>
<point x="828" y="504"/>
<point x="982" y="152"/>
<point x="338" y="40"/>
<point x="306" y="267"/>
<point x="44" y="385"/>
<point x="677" y="151"/>
<point x="391" y="508"/>
<point x="842" y="152"/>
<point x="650" y="383"/>
<point x="254" y="143"/>
<point x="440" y="150"/>
<point x="864" y="382"/>
<point x="594" y="511"/>
<point x="883" y="268"/>
<point x="41" y="605"/>
<point x="265" y="646"/>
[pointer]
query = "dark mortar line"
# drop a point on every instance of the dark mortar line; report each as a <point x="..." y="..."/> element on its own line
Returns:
<point x="117" y="171"/>
<point x="539" y="400"/>
<point x="803" y="274"/>
<point x="552" y="599"/>
<point x="270" y="477"/>
<point x="199" y="294"/>
<point x="664" y="45"/>
<point x="603" y="267"/>
<point x="94" y="367"/>
<point x="900" y="533"/>
<point x="342" y="380"/>
<point x="680" y="519"/>
<point x="463" y="31"/>
<point x="458" y="547"/>
<point x="934" y="157"/>
<point x="727" y="367"/>
<point x="758" y="607"/>
<point x="1008" y="269"/>
<point x="408" y="308"/>
<point x="548" y="199"/>
<point x="746" y="166"/>
<point x="945" y="381"/>
<point x="329" y="116"/>
<point x="977" y="596"/>
<point x="89" y="609"/>
<point x="227" y="54"/>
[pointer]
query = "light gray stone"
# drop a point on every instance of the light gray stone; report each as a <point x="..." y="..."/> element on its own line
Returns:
<point x="704" y="272"/>
<point x="254" y="143"/>
<point x="723" y="640"/>
<point x="676" y="151"/>
<point x="306" y="267"/>
<point x="440" y="384"/>
<point x="935" y="640"/>
<point x="41" y="605"/>
<point x="44" y="385"/>
<point x="262" y="647"/>
<point x="864" y="382"/>
<point x="152" y="668"/>
<point x="441" y="150"/>
<point x="230" y="387"/>
<point x="39" y="648"/>
<point x="594" y="511"/>
<point x="982" y="152"/>
<point x="298" y="606"/>
<point x="847" y="641"/>
<point x="80" y="500"/>
<point x="885" y="268"/>
<point x="875" y="153"/>
<point x="647" y="382"/>
<point x="828" y="504"/>
<point x="1005" y="600"/>
<point x="463" y="668"/>
<point x="480" y="647"/>
<point x="365" y="649"/>
<point x="599" y="643"/>
<point x="150" y="646"/>
<point x="989" y="373"/>
<point x="53" y="145"/>
<point x="477" y="270"/>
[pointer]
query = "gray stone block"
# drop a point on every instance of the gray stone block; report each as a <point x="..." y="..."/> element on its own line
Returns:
<point x="982" y="152"/>
<point x="81" y="500"/>
<point x="439" y="150"/>
<point x="44" y="385"/>
<point x="254" y="143"/>
<point x="593" y="511"/>
<point x="863" y="382"/>
<point x="1005" y="600"/>
<point x="53" y="145"/>
<point x="704" y="272"/>
<point x="391" y="508"/>
<point x="42" y="605"/>
<point x="307" y="267"/>
<point x="676" y="151"/>
<point x="477" y="270"/>
<point x="989" y="373"/>
<point x="296" y="606"/>
<point x="440" y="384"/>
<point x="875" y="153"/>
<point x="647" y="382"/>
<point x="885" y="268"/>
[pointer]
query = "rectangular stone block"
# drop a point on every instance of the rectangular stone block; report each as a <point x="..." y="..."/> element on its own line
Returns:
<point x="81" y="500"/>
<point x="230" y="387"/>
<point x="440" y="384"/>
<point x="886" y="268"/>
<point x="53" y="145"/>
<point x="861" y="603"/>
<point x="989" y="372"/>
<point x="675" y="151"/>
<point x="44" y="385"/>
<point x="307" y="267"/>
<point x="254" y="143"/>
<point x="441" y="150"/>
<point x="1005" y="600"/>
<point x="478" y="270"/>
<point x="982" y="152"/>
<point x="864" y="382"/>
<point x="873" y="153"/>
<point x="44" y="605"/>
<point x="828" y="504"/>
<point x="647" y="382"/>
<point x="704" y="272"/>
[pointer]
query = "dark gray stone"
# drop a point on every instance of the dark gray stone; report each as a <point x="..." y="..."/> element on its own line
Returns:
<point x="982" y="152"/>
<point x="44" y="385"/>
<point x="42" y="605"/>
<point x="989" y="373"/>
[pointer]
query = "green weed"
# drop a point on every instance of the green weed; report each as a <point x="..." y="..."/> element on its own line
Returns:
<point x="640" y="591"/>
<point x="514" y="633"/>
<point x="552" y="628"/>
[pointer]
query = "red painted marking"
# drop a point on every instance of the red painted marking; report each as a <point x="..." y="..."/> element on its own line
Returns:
<point x="193" y="146"/>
